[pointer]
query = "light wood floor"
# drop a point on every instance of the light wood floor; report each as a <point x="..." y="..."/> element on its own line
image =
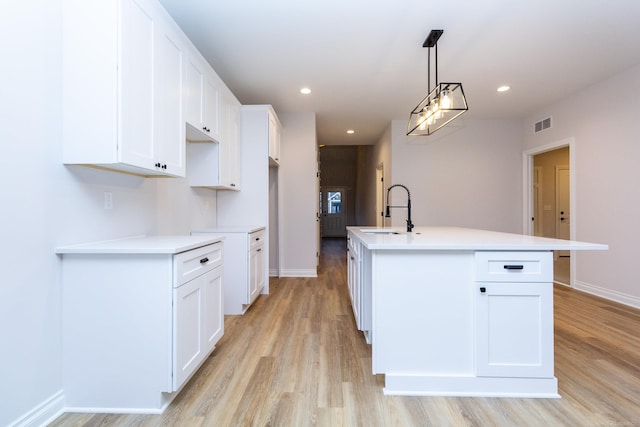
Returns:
<point x="296" y="359"/>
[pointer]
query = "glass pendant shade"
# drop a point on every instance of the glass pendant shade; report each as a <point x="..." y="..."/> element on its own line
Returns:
<point x="443" y="104"/>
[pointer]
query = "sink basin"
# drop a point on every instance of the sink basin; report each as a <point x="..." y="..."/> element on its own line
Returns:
<point x="378" y="231"/>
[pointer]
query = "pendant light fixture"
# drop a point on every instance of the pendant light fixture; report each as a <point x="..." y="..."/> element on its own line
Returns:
<point x="445" y="101"/>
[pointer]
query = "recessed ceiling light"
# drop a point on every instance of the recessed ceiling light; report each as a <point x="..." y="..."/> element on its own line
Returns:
<point x="351" y="131"/>
<point x="305" y="91"/>
<point x="504" y="88"/>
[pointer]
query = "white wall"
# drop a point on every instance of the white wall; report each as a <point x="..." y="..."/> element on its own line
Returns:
<point x="46" y="204"/>
<point x="380" y="153"/>
<point x="603" y="119"/>
<point x="365" y="192"/>
<point x="299" y="195"/>
<point x="30" y="113"/>
<point x="468" y="174"/>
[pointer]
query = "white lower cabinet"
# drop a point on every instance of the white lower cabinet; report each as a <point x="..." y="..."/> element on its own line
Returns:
<point x="245" y="271"/>
<point x="198" y="323"/>
<point x="514" y="315"/>
<point x="514" y="330"/>
<point x="354" y="279"/>
<point x="256" y="271"/>
<point x="359" y="283"/>
<point x="137" y="323"/>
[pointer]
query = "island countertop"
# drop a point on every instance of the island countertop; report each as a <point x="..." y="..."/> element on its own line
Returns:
<point x="458" y="238"/>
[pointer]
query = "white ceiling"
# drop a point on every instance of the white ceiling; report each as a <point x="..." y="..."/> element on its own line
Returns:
<point x="364" y="60"/>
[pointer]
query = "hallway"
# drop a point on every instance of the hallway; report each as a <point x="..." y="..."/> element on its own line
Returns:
<point x="296" y="359"/>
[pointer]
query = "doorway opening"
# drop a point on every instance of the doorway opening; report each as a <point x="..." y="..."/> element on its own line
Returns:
<point x="334" y="204"/>
<point x="549" y="210"/>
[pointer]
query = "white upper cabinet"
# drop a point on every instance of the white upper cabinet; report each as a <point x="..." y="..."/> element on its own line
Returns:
<point x="274" y="139"/>
<point x="229" y="166"/>
<point x="122" y="87"/>
<point x="216" y="165"/>
<point x="202" y="100"/>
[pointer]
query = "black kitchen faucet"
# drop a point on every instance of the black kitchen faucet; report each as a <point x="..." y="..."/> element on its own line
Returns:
<point x="408" y="207"/>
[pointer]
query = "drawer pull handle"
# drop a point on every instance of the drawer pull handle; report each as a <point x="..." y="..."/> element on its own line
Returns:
<point x="257" y="238"/>
<point x="514" y="267"/>
<point x="483" y="290"/>
<point x="259" y="249"/>
<point x="204" y="260"/>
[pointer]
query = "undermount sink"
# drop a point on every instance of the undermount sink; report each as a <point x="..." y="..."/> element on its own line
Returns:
<point x="378" y="231"/>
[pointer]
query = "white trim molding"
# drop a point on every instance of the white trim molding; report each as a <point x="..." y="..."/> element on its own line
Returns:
<point x="299" y="273"/>
<point x="608" y="294"/>
<point x="44" y="413"/>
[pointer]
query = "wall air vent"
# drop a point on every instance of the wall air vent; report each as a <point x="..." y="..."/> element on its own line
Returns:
<point x="542" y="125"/>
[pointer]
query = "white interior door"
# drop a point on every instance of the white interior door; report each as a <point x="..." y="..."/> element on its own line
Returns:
<point x="333" y="212"/>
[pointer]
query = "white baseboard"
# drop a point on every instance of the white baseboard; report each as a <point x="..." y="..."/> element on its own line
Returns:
<point x="101" y="410"/>
<point x="299" y="273"/>
<point x="625" y="299"/>
<point x="54" y="406"/>
<point x="42" y="414"/>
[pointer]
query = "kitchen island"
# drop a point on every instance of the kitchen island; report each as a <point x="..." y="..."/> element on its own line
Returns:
<point x="457" y="312"/>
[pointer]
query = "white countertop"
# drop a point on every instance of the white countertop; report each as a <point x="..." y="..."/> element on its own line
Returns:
<point x="457" y="238"/>
<point x="231" y="229"/>
<point x="142" y="245"/>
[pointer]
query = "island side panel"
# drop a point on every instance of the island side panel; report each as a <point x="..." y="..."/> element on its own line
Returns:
<point x="423" y="312"/>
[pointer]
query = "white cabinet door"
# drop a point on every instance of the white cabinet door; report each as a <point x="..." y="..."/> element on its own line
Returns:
<point x="193" y="94"/>
<point x="169" y="134"/>
<point x="228" y="146"/>
<point x="211" y="104"/>
<point x="230" y="176"/>
<point x="198" y="323"/>
<point x="274" y="139"/>
<point x="256" y="272"/>
<point x="201" y="100"/>
<point x="514" y="329"/>
<point x="187" y="335"/>
<point x="136" y="71"/>
<point x="213" y="327"/>
<point x="355" y="295"/>
<point x="354" y="280"/>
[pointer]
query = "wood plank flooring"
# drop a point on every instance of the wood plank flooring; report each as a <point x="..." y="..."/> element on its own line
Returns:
<point x="296" y="359"/>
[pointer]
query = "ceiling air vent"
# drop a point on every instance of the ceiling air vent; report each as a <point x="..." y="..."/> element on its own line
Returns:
<point x="542" y="125"/>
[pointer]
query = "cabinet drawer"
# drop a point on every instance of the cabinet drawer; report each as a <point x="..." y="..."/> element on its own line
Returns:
<point x="191" y="264"/>
<point x="256" y="239"/>
<point x="514" y="266"/>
